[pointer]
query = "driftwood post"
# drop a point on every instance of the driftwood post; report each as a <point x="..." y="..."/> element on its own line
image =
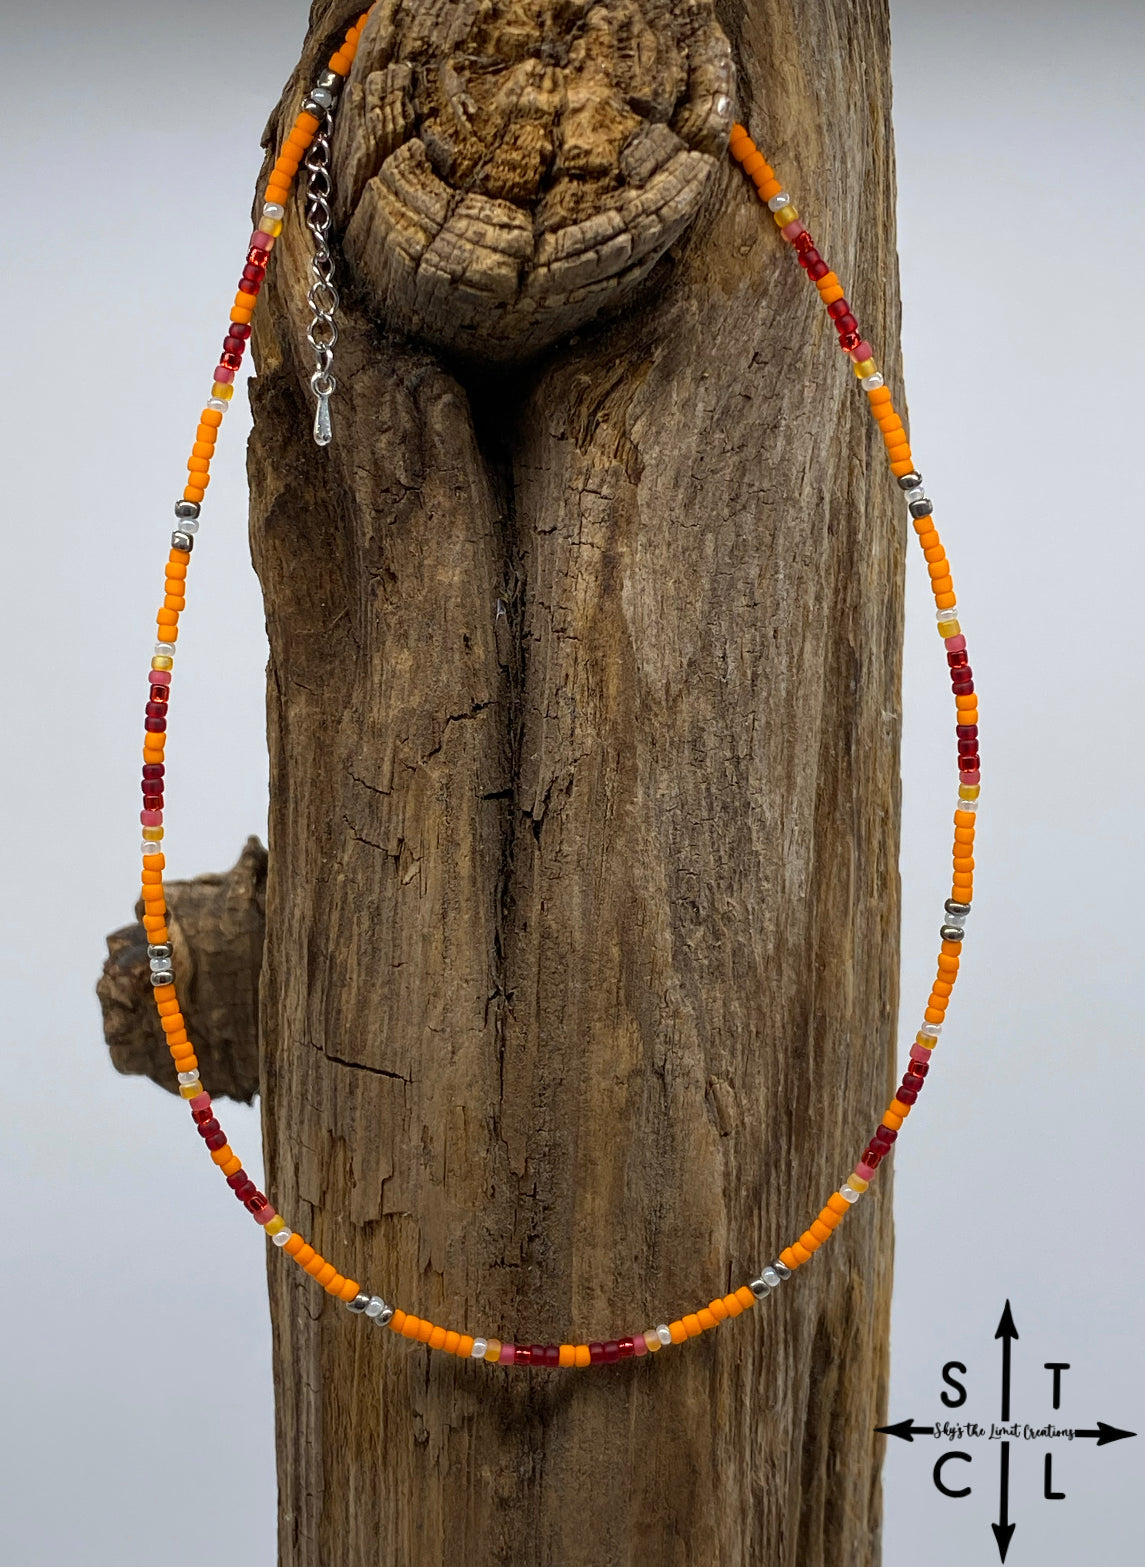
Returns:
<point x="579" y="981"/>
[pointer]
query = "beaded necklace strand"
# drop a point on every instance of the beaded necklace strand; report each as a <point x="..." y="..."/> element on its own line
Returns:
<point x="313" y="125"/>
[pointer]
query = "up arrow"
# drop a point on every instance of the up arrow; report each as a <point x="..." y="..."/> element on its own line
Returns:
<point x="1006" y="1331"/>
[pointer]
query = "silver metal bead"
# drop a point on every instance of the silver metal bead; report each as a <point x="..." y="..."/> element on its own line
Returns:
<point x="910" y="481"/>
<point x="922" y="508"/>
<point x="164" y="950"/>
<point x="358" y="1304"/>
<point x="759" y="1287"/>
<point x="952" y="907"/>
<point x="163" y="977"/>
<point x="311" y="105"/>
<point x="181" y="540"/>
<point x="330" y="80"/>
<point x="782" y="1269"/>
<point x="951" y="932"/>
<point x="772" y="1278"/>
<point x="186" y="511"/>
<point x="385" y="1316"/>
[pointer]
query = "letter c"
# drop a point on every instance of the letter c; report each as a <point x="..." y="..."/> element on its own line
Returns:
<point x="945" y="1459"/>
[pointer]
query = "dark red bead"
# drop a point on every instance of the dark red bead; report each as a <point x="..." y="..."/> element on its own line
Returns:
<point x="611" y="1352"/>
<point x="256" y="1203"/>
<point x="849" y="342"/>
<point x="234" y="345"/>
<point x="237" y="1179"/>
<point x="907" y="1095"/>
<point x="626" y="1348"/>
<point x="552" y="1354"/>
<point x="155" y="726"/>
<point x="254" y="273"/>
<point x="216" y="1141"/>
<point x="846" y="323"/>
<point x="817" y="270"/>
<point x="247" y="1189"/>
<point x="156" y="710"/>
<point x="247" y="287"/>
<point x="957" y="660"/>
<point x="537" y="1352"/>
<point x="522" y="1355"/>
<point x="809" y="258"/>
<point x="240" y="330"/>
<point x="967" y="747"/>
<point x="966" y="731"/>
<point x="839" y="308"/>
<point x="596" y="1354"/>
<point x="209" y="1127"/>
<point x="962" y="687"/>
<point x="885" y="1134"/>
<point x="154" y="770"/>
<point x="149" y="785"/>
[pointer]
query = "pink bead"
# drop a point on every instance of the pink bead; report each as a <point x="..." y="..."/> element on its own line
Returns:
<point x="264" y="1215"/>
<point x="223" y="374"/>
<point x="158" y="677"/>
<point x="261" y="241"/>
<point x="151" y="818"/>
<point x="864" y="351"/>
<point x="954" y="644"/>
<point x="793" y="230"/>
<point x="920" y="1053"/>
<point x="864" y="1172"/>
<point x="201" y="1101"/>
<point x="639" y="1347"/>
<point x="508" y="1354"/>
<point x="973" y="777"/>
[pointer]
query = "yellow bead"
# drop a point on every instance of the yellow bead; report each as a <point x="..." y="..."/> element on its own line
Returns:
<point x="271" y="226"/>
<point x="866" y="367"/>
<point x="190" y="1090"/>
<point x="219" y="389"/>
<point x="969" y="791"/>
<point x="153" y="834"/>
<point x="276" y="1224"/>
<point x="784" y="216"/>
<point x="857" y="1183"/>
<point x="162" y="661"/>
<point x="949" y="628"/>
<point x="493" y="1349"/>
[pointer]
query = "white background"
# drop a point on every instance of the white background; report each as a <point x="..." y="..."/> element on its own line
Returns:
<point x="134" y="1367"/>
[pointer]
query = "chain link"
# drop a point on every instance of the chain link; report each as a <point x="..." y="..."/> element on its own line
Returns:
<point x="322" y="333"/>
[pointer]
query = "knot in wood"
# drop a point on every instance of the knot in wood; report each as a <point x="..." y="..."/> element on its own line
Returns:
<point x="507" y="169"/>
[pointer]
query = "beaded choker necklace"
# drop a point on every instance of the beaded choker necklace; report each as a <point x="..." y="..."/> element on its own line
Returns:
<point x="308" y="142"/>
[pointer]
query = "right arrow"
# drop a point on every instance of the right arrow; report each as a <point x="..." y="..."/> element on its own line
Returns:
<point x="1006" y="1332"/>
<point x="1003" y="1531"/>
<point x="1106" y="1433"/>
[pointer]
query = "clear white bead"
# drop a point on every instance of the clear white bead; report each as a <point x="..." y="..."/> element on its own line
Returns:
<point x="187" y="1078"/>
<point x="271" y="209"/>
<point x="375" y="1306"/>
<point x="848" y="1193"/>
<point x="772" y="1278"/>
<point x="148" y="846"/>
<point x="917" y="494"/>
<point x="480" y="1345"/>
<point x="965" y="805"/>
<point x="931" y="1030"/>
<point x="954" y="919"/>
<point x="947" y="614"/>
<point x="188" y="524"/>
<point x="159" y="965"/>
<point x="282" y="1237"/>
<point x="782" y="200"/>
<point x="164" y="650"/>
<point x="871" y="383"/>
<point x="663" y="1334"/>
<point x="217" y="404"/>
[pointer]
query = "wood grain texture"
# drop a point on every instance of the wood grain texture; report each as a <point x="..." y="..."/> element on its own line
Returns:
<point x="580" y="974"/>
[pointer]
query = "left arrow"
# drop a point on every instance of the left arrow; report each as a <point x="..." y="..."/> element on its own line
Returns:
<point x="906" y="1429"/>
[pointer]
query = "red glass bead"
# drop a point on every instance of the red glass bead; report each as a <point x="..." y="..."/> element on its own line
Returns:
<point x="958" y="660"/>
<point x="817" y="270"/>
<point x="626" y="1348"/>
<point x="155" y="726"/>
<point x="907" y="1095"/>
<point x="254" y="273"/>
<point x="231" y="361"/>
<point x="873" y="1157"/>
<point x="159" y="695"/>
<point x="611" y="1352"/>
<point x="216" y="1141"/>
<point x="849" y="341"/>
<point x="919" y="1068"/>
<point x="199" y="1116"/>
<point x="966" y="731"/>
<point x="246" y="286"/>
<point x="156" y="710"/>
<point x="154" y="770"/>
<point x="239" y="329"/>
<point x="839" y="308"/>
<point x="522" y="1355"/>
<point x="152" y="802"/>
<point x="596" y="1354"/>
<point x="256" y="1203"/>
<point x="256" y="257"/>
<point x="803" y="241"/>
<point x="847" y="323"/>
